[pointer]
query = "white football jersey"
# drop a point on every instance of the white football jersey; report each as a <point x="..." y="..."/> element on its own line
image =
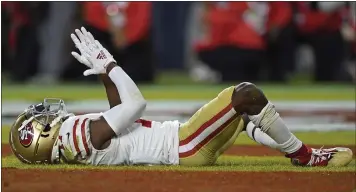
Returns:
<point x="145" y="142"/>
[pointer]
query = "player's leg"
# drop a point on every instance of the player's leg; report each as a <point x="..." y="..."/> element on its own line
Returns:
<point x="257" y="135"/>
<point x="212" y="129"/>
<point x="249" y="99"/>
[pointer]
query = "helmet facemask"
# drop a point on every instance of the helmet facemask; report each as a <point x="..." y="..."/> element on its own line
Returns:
<point x="49" y="107"/>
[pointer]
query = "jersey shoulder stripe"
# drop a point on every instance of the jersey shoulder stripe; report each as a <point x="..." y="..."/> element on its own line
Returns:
<point x="84" y="137"/>
<point x="74" y="135"/>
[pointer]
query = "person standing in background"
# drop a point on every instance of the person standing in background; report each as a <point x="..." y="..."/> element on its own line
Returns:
<point x="53" y="38"/>
<point x="281" y="44"/>
<point x="349" y="33"/>
<point x="130" y="27"/>
<point x="319" y="24"/>
<point x="234" y="43"/>
<point x="23" y="46"/>
<point x="5" y="29"/>
<point x="169" y="23"/>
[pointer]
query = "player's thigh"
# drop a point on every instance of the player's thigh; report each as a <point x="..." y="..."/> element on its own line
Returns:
<point x="212" y="146"/>
<point x="233" y="134"/>
<point x="209" y="129"/>
<point x="208" y="114"/>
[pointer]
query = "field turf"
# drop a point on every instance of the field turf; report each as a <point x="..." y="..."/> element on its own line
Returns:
<point x="181" y="92"/>
<point x="226" y="162"/>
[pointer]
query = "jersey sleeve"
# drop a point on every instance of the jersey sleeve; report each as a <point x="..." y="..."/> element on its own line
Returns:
<point x="74" y="138"/>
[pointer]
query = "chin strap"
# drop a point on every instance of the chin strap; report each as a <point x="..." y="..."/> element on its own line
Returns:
<point x="55" y="157"/>
<point x="56" y="153"/>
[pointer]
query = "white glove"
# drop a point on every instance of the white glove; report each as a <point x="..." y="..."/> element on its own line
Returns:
<point x="93" y="54"/>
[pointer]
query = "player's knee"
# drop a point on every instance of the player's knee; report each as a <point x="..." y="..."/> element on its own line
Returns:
<point x="245" y="89"/>
<point x="244" y="85"/>
<point x="248" y="98"/>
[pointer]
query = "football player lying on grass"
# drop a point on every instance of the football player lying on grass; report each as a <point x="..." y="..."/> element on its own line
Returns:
<point x="46" y="133"/>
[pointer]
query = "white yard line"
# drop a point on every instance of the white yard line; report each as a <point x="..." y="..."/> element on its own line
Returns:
<point x="181" y="110"/>
<point x="184" y="106"/>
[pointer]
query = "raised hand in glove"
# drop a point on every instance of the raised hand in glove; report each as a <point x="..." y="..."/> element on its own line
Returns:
<point x="92" y="53"/>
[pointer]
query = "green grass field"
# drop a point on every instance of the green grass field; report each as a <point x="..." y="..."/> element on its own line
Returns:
<point x="225" y="163"/>
<point x="182" y="92"/>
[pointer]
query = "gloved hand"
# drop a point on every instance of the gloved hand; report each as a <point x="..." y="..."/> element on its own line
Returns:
<point x="92" y="53"/>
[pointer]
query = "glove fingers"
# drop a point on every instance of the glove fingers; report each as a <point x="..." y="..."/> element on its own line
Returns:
<point x="86" y="36"/>
<point x="76" y="41"/>
<point x="91" y="37"/>
<point x="80" y="35"/>
<point x="76" y="56"/>
<point x="86" y="44"/>
<point x="84" y="31"/>
<point x="81" y="59"/>
<point x="88" y="72"/>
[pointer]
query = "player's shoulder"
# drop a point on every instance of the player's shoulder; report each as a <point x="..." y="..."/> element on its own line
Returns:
<point x="91" y="116"/>
<point x="72" y="120"/>
<point x="68" y="122"/>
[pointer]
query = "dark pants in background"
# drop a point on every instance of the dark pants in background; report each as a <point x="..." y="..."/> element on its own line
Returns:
<point x="234" y="64"/>
<point x="281" y="54"/>
<point x="169" y="20"/>
<point x="136" y="59"/>
<point x="24" y="62"/>
<point x="5" y="47"/>
<point x="329" y="56"/>
<point x="329" y="52"/>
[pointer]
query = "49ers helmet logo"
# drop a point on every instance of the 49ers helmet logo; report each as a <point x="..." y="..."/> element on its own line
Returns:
<point x="26" y="135"/>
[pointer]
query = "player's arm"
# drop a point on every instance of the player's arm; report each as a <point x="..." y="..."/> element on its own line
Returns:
<point x="118" y="118"/>
<point x="114" y="121"/>
<point x="115" y="22"/>
<point x="111" y="91"/>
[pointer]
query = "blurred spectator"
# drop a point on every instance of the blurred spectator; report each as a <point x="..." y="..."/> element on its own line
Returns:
<point x="169" y="33"/>
<point x="124" y="29"/>
<point x="25" y="18"/>
<point x="130" y="26"/>
<point x="198" y="71"/>
<point x="349" y="33"/>
<point x="5" y="28"/>
<point x="319" y="25"/>
<point x="234" y="43"/>
<point x="53" y="35"/>
<point x="239" y="41"/>
<point x="281" y="41"/>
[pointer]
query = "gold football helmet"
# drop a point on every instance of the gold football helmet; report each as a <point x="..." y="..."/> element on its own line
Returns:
<point x="34" y="135"/>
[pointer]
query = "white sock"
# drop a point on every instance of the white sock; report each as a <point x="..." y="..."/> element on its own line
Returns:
<point x="272" y="124"/>
<point x="260" y="137"/>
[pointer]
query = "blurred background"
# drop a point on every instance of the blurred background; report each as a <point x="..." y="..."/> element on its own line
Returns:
<point x="209" y="42"/>
<point x="182" y="54"/>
